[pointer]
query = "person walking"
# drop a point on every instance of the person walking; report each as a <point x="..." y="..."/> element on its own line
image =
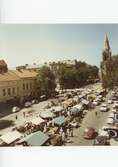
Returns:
<point x="45" y="129"/>
<point x="24" y="114"/>
<point x="71" y="132"/>
<point x="63" y="136"/>
<point x="96" y="113"/>
<point x="61" y="131"/>
<point x="68" y="132"/>
<point x="68" y="113"/>
<point x="16" y="117"/>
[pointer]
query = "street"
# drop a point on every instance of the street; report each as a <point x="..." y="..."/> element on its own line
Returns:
<point x="90" y="120"/>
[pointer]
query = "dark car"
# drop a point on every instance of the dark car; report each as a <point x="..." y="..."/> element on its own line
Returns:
<point x="89" y="133"/>
<point x="101" y="141"/>
<point x="27" y="104"/>
<point x="113" y="132"/>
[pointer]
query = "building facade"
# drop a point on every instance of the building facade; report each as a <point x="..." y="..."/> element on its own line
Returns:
<point x="16" y="85"/>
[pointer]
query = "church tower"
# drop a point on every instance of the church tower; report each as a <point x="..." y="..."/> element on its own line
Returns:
<point x="107" y="53"/>
<point x="107" y="65"/>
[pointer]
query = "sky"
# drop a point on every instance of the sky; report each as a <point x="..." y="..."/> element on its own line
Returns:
<point x="38" y="43"/>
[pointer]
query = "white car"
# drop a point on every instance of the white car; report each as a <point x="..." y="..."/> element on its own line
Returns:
<point x="104" y="105"/>
<point x="103" y="109"/>
<point x="15" y="109"/>
<point x="110" y="101"/>
<point x="113" y="110"/>
<point x="111" y="115"/>
<point x="27" y="104"/>
<point x="95" y="103"/>
<point x="105" y="127"/>
<point x="110" y="121"/>
<point x="103" y="133"/>
<point x="115" y="105"/>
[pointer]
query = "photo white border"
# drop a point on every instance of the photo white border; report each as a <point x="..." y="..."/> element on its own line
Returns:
<point x="59" y="11"/>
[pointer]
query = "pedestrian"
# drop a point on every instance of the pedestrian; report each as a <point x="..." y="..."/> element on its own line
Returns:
<point x="63" y="136"/>
<point x="16" y="117"/>
<point x="24" y="114"/>
<point x="68" y="113"/>
<point x="63" y="112"/>
<point x="45" y="128"/>
<point x="61" y="131"/>
<point x="53" y="124"/>
<point x="68" y="131"/>
<point x="71" y="132"/>
<point x="96" y="113"/>
<point x="48" y="124"/>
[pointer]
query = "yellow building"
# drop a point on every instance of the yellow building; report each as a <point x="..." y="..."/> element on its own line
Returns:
<point x="27" y="83"/>
<point x="18" y="85"/>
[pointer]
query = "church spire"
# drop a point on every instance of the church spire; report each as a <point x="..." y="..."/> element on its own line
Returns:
<point x="106" y="44"/>
<point x="107" y="50"/>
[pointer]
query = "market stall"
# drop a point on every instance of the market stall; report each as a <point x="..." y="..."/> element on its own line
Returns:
<point x="10" y="137"/>
<point x="35" y="139"/>
<point x="46" y="114"/>
<point x="59" y="120"/>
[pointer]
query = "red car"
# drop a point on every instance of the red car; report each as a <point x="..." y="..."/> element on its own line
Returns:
<point x="89" y="133"/>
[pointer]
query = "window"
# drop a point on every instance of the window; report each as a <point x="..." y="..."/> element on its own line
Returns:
<point x="13" y="91"/>
<point x="4" y="92"/>
<point x="23" y="86"/>
<point x="27" y="86"/>
<point x="9" y="91"/>
<point x="30" y="85"/>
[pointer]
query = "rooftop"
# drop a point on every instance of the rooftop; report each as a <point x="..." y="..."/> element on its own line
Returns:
<point x="25" y="73"/>
<point x="9" y="76"/>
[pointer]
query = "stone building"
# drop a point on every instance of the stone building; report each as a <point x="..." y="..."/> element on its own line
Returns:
<point x="109" y="67"/>
<point x="16" y="85"/>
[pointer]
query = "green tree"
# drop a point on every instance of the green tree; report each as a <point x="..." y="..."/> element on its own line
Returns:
<point x="76" y="75"/>
<point x="46" y="81"/>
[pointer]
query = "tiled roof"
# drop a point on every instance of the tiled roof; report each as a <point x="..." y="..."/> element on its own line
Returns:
<point x="9" y="76"/>
<point x="12" y="75"/>
<point x="25" y="73"/>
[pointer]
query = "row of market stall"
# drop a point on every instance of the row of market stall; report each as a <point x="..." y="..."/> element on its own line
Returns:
<point x="44" y="128"/>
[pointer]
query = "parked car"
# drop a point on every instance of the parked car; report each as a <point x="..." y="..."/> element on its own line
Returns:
<point x="113" y="132"/>
<point x="113" y="110"/>
<point x="33" y="101"/>
<point x="27" y="104"/>
<point x="111" y="115"/>
<point x="43" y="97"/>
<point x="103" y="109"/>
<point x="96" y="103"/>
<point x="15" y="109"/>
<point x="101" y="141"/>
<point x="89" y="133"/>
<point x="110" y="101"/>
<point x="104" y="105"/>
<point x="115" y="105"/>
<point x="103" y="133"/>
<point x="110" y="121"/>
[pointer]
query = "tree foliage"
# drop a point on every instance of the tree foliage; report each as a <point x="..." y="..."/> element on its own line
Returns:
<point x="46" y="81"/>
<point x="77" y="75"/>
<point x="109" y="72"/>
